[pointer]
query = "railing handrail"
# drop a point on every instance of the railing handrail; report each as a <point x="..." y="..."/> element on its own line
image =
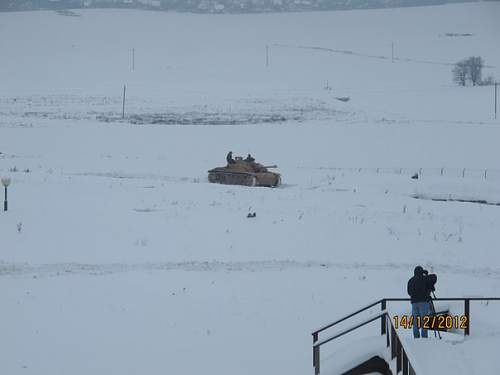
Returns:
<point x="384" y="316"/>
<point x="381" y="301"/>
<point x="350" y="329"/>
<point x="325" y="327"/>
<point x="403" y="352"/>
<point x="392" y="339"/>
<point x="447" y="299"/>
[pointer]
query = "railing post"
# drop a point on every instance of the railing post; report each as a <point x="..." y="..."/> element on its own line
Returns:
<point x="393" y="342"/>
<point x="405" y="363"/>
<point x="316" y="360"/>
<point x="388" y="343"/>
<point x="383" y="325"/>
<point x="467" y="315"/>
<point x="399" y="358"/>
<point x="315" y="339"/>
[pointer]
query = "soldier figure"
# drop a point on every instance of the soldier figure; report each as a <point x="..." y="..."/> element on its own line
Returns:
<point x="229" y="158"/>
<point x="249" y="158"/>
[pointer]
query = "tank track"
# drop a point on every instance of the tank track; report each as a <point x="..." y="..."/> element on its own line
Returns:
<point x="232" y="178"/>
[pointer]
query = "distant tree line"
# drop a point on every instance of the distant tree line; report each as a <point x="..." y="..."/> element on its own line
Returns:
<point x="219" y="6"/>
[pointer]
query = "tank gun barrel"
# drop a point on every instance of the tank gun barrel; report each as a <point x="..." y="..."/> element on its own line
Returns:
<point x="271" y="166"/>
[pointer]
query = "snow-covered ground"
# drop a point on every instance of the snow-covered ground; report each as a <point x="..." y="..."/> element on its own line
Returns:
<point x="118" y="257"/>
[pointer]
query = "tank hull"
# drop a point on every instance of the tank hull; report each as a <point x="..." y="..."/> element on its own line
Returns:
<point x="221" y="176"/>
<point x="245" y="173"/>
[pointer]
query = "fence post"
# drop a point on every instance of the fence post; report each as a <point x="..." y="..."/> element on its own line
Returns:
<point x="442" y="171"/>
<point x="467" y="315"/>
<point x="463" y="173"/>
<point x="485" y="173"/>
<point x="383" y="327"/>
<point x="123" y="104"/>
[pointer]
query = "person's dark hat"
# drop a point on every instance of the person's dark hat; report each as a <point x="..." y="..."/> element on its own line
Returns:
<point x="419" y="270"/>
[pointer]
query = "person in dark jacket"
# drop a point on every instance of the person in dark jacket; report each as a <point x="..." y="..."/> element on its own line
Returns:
<point x="420" y="287"/>
<point x="249" y="158"/>
<point x="229" y="158"/>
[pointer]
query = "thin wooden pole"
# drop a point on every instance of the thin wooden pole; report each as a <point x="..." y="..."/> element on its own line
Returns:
<point x="123" y="103"/>
<point x="496" y="84"/>
<point x="267" y="56"/>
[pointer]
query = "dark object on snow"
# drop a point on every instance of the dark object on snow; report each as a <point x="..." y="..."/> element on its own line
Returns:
<point x="343" y="98"/>
<point x="241" y="172"/>
<point x="251" y="215"/>
<point x="229" y="158"/>
<point x="415" y="176"/>
<point x="421" y="285"/>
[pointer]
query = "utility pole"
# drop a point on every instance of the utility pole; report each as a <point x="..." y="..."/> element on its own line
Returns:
<point x="267" y="56"/>
<point x="123" y="105"/>
<point x="133" y="59"/>
<point x="392" y="51"/>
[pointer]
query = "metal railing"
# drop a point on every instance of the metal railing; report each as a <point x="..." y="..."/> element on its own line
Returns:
<point x="397" y="349"/>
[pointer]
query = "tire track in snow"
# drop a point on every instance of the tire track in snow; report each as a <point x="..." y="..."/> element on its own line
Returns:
<point x="65" y="269"/>
<point x="138" y="176"/>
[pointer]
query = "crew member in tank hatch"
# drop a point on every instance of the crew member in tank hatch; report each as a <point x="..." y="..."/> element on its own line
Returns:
<point x="229" y="158"/>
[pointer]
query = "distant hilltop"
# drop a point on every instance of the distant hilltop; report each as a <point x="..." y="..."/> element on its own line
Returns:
<point x="219" y="6"/>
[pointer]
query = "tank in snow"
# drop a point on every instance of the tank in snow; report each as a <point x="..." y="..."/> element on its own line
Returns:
<point x="246" y="173"/>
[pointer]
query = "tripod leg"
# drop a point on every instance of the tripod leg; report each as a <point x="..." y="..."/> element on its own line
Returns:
<point x="433" y="311"/>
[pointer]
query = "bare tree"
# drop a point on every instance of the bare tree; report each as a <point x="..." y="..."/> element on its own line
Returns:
<point x="460" y="73"/>
<point x="468" y="69"/>
<point x="475" y="67"/>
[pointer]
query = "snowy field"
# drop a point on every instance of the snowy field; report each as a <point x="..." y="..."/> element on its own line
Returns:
<point x="118" y="257"/>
